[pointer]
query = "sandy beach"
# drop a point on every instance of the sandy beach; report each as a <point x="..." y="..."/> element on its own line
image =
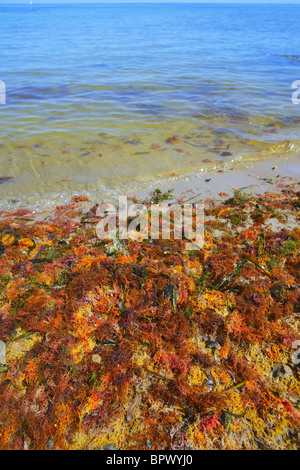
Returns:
<point x="256" y="176"/>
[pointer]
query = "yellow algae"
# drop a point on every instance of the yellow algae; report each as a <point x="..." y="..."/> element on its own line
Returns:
<point x="196" y="377"/>
<point x="21" y="343"/>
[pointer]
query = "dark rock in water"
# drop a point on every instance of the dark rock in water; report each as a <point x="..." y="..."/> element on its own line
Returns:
<point x="5" y="179"/>
<point x="226" y="154"/>
<point x="173" y="140"/>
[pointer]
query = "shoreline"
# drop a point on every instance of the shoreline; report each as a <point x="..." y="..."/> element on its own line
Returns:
<point x="258" y="176"/>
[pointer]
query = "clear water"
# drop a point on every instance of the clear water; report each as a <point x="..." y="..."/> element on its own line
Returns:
<point x="94" y="92"/>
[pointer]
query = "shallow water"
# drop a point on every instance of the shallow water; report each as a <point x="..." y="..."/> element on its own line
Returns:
<point x="94" y="94"/>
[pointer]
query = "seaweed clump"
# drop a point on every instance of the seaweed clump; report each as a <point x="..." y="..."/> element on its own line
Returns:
<point x="149" y="346"/>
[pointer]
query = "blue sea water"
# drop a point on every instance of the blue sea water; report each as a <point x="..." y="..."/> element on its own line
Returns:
<point x="94" y="92"/>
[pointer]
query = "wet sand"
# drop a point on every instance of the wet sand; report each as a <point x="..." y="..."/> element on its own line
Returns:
<point x="257" y="177"/>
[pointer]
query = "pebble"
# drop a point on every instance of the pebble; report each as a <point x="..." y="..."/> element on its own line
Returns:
<point x="108" y="447"/>
<point x="172" y="140"/>
<point x="281" y="371"/>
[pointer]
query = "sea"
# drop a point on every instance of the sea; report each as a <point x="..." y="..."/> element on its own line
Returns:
<point x="109" y="99"/>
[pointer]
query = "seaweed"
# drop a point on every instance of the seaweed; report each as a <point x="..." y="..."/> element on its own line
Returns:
<point x="144" y="345"/>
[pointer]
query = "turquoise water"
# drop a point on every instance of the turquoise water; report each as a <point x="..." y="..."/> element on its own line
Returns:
<point x="95" y="92"/>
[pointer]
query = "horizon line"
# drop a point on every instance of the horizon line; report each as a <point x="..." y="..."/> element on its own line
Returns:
<point x="239" y="2"/>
